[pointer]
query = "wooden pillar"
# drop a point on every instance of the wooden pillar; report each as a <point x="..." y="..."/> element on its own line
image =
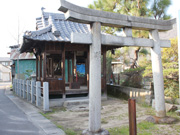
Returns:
<point x="40" y="68"/>
<point x="63" y="59"/>
<point x="44" y="66"/>
<point x="72" y="69"/>
<point x="75" y="72"/>
<point x="88" y="63"/>
<point x="69" y="70"/>
<point x="37" y="68"/>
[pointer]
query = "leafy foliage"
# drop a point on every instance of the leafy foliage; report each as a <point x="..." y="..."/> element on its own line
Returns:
<point x="28" y="73"/>
<point x="159" y="9"/>
<point x="141" y="8"/>
<point x="134" y="77"/>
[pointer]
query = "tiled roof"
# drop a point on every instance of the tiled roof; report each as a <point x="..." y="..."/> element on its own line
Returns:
<point x="54" y="27"/>
<point x="15" y="55"/>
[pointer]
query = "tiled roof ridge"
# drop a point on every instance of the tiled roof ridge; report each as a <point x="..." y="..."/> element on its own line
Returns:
<point x="46" y="15"/>
<point x="38" y="32"/>
<point x="59" y="16"/>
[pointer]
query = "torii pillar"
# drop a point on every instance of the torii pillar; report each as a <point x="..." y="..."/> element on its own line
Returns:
<point x="95" y="79"/>
<point x="95" y="83"/>
<point x="157" y="75"/>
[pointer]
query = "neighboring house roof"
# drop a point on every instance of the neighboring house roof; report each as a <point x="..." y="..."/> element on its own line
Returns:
<point x="14" y="55"/>
<point x="4" y="69"/>
<point x="169" y="34"/>
<point x="54" y="27"/>
<point x="5" y="59"/>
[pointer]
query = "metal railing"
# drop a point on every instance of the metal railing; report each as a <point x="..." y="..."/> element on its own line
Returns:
<point x="31" y="91"/>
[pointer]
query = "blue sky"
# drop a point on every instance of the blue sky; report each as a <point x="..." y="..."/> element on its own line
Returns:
<point x="25" y="12"/>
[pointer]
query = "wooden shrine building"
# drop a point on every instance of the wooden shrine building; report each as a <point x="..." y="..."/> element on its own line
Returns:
<point x="65" y="65"/>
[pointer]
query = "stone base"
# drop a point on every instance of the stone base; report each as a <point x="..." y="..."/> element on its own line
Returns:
<point x="158" y="120"/>
<point x="101" y="132"/>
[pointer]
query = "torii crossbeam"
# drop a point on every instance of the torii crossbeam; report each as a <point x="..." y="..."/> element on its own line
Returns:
<point x="97" y="19"/>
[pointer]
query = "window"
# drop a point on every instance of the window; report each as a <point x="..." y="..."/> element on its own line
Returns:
<point x="54" y="66"/>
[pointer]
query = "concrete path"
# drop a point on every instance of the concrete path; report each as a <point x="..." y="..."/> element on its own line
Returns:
<point x="18" y="117"/>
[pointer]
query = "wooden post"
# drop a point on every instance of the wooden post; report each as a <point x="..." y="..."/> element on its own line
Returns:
<point x="132" y="117"/>
<point x="45" y="96"/>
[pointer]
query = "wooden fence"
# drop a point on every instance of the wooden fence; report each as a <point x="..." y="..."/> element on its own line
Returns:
<point x="32" y="91"/>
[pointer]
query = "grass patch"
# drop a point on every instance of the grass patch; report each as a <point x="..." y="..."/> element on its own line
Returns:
<point x="176" y="127"/>
<point x="103" y="121"/>
<point x="173" y="114"/>
<point x="146" y="128"/>
<point x="46" y="115"/>
<point x="143" y="128"/>
<point x="67" y="130"/>
<point x="119" y="130"/>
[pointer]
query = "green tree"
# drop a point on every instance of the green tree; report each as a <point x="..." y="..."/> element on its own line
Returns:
<point x="133" y="8"/>
<point x="159" y="9"/>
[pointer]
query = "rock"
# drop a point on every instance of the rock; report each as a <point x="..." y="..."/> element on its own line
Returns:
<point x="167" y="120"/>
<point x="178" y="112"/>
<point x="158" y="120"/>
<point x="170" y="107"/>
<point x="151" y="119"/>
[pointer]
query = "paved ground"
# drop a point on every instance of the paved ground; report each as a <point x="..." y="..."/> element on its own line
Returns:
<point x="18" y="117"/>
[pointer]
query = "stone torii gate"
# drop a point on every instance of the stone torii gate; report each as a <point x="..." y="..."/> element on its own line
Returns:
<point x="96" y="19"/>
